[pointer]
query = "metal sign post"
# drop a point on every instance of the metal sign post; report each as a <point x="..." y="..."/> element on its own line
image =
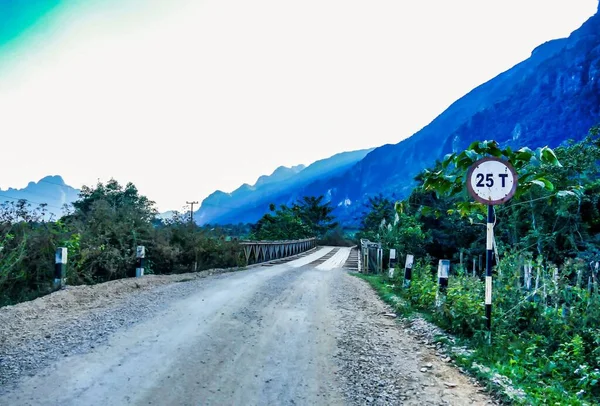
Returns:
<point x="491" y="181"/>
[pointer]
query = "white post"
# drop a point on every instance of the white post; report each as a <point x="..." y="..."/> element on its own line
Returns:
<point x="408" y="269"/>
<point x="140" y="255"/>
<point x="392" y="262"/>
<point x="60" y="267"/>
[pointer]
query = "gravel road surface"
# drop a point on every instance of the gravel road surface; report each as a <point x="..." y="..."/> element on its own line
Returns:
<point x="300" y="333"/>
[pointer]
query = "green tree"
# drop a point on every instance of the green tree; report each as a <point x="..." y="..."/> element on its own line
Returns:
<point x="316" y="215"/>
<point x="111" y="220"/>
<point x="283" y="223"/>
<point x="379" y="209"/>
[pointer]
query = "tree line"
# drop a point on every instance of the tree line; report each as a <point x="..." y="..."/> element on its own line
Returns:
<point x="103" y="227"/>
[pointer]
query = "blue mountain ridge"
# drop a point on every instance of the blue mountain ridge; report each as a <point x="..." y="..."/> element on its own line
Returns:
<point x="551" y="97"/>
<point x="50" y="190"/>
<point x="249" y="203"/>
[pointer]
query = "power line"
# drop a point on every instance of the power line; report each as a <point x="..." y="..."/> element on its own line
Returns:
<point x="30" y="201"/>
<point x="192" y="210"/>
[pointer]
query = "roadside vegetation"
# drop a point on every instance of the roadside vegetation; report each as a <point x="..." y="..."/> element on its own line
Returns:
<point x="546" y="302"/>
<point x="102" y="229"/>
<point x="308" y="217"/>
<point x="101" y="232"/>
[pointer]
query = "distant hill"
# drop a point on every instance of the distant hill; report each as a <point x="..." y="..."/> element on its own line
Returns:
<point x="551" y="97"/>
<point x="51" y="190"/>
<point x="547" y="99"/>
<point x="249" y="202"/>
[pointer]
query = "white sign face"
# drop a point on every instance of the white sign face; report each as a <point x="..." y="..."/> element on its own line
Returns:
<point x="409" y="261"/>
<point x="392" y="253"/>
<point x="492" y="181"/>
<point x="141" y="251"/>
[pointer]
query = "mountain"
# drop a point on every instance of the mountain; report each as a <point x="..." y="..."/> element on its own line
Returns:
<point x="51" y="190"/>
<point x="249" y="202"/>
<point x="551" y="97"/>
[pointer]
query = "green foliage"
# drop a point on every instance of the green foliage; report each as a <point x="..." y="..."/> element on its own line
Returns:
<point x="336" y="238"/>
<point x="101" y="235"/>
<point x="546" y="339"/>
<point x="393" y="227"/>
<point x="308" y="217"/>
<point x="379" y="210"/>
<point x="316" y="215"/>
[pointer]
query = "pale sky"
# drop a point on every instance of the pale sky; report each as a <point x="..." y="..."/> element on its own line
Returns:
<point x="184" y="97"/>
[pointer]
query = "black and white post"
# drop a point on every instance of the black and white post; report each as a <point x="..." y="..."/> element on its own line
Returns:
<point x="491" y="181"/>
<point x="392" y="263"/>
<point x="443" y="274"/>
<point x="140" y="257"/>
<point x="60" y="268"/>
<point x="488" y="267"/>
<point x="408" y="269"/>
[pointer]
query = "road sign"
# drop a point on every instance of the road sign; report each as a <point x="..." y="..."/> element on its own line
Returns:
<point x="492" y="181"/>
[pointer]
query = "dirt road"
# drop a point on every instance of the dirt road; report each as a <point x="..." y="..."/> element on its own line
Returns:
<point x="300" y="333"/>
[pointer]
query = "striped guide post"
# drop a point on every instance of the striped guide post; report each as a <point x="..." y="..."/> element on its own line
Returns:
<point x="488" y="268"/>
<point x="408" y="269"/>
<point x="140" y="255"/>
<point x="443" y="274"/>
<point x="60" y="267"/>
<point x="392" y="262"/>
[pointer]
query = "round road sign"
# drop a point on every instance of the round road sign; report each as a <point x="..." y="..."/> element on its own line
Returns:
<point x="492" y="181"/>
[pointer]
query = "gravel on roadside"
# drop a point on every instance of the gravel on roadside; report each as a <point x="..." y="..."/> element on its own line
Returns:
<point x="382" y="363"/>
<point x="77" y="318"/>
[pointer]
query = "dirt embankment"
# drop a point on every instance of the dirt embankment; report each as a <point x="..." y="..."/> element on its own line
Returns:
<point x="36" y="318"/>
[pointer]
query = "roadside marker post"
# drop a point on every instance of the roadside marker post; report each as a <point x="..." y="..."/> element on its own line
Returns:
<point x="491" y="181"/>
<point x="443" y="274"/>
<point x="60" y="267"/>
<point x="408" y="269"/>
<point x="140" y="255"/>
<point x="392" y="262"/>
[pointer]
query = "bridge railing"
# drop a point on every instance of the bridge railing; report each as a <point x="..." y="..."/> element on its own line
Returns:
<point x="261" y="251"/>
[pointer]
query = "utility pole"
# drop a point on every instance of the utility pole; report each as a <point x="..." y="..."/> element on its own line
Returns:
<point x="192" y="210"/>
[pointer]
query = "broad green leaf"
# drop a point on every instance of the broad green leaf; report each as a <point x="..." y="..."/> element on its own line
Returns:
<point x="544" y="183"/>
<point x="448" y="159"/>
<point x="524" y="154"/>
<point x="472" y="155"/>
<point x="548" y="156"/>
<point x="494" y="150"/>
